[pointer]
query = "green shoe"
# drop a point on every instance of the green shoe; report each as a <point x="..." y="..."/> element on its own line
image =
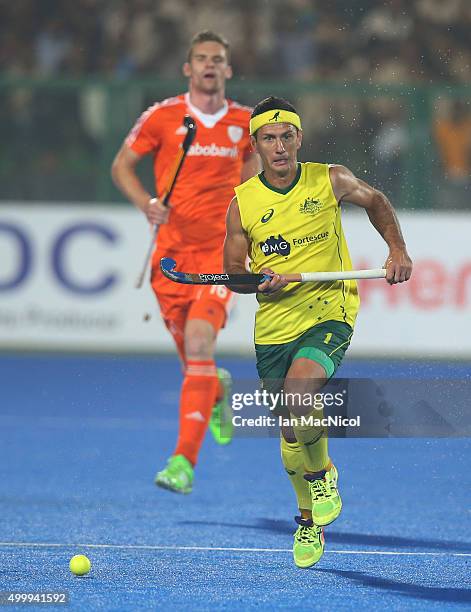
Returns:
<point x="177" y="476"/>
<point x="220" y="423"/>
<point x="308" y="545"/>
<point x="326" y="502"/>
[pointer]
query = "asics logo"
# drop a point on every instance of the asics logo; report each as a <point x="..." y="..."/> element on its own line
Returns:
<point x="267" y="216"/>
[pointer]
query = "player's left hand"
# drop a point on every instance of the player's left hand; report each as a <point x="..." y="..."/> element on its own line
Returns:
<point x="275" y="283"/>
<point x="398" y="266"/>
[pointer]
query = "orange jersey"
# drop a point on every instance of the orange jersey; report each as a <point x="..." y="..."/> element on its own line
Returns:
<point x="211" y="170"/>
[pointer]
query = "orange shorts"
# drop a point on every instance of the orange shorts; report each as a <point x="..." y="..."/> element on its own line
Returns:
<point x="179" y="303"/>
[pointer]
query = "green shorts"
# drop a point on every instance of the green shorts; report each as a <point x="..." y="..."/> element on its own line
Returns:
<point x="325" y="343"/>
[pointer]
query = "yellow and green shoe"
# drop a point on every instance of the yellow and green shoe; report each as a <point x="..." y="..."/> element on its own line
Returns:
<point x="220" y="423"/>
<point x="308" y="545"/>
<point x="326" y="502"/>
<point x="177" y="476"/>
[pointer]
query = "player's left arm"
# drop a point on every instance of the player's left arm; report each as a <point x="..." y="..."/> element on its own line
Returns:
<point x="348" y="188"/>
<point x="251" y="166"/>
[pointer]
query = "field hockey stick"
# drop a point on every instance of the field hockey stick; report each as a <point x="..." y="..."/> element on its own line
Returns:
<point x="168" y="265"/>
<point x="190" y="124"/>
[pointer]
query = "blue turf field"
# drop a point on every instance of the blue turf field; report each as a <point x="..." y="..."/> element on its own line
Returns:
<point x="82" y="438"/>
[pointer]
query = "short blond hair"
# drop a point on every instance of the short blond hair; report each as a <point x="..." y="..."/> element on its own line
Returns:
<point x="208" y="36"/>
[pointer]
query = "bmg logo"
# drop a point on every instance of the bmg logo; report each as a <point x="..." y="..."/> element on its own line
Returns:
<point x="275" y="246"/>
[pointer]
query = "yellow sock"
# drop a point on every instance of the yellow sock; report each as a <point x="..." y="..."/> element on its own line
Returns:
<point x="292" y="459"/>
<point x="312" y="441"/>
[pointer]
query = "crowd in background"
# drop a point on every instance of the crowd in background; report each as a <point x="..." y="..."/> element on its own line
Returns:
<point x="392" y="41"/>
<point x="423" y="42"/>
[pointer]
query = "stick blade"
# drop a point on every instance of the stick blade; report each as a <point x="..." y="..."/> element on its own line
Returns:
<point x="168" y="267"/>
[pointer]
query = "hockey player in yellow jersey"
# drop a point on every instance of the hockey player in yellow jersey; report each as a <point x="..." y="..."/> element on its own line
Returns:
<point x="297" y="229"/>
<point x="288" y="219"/>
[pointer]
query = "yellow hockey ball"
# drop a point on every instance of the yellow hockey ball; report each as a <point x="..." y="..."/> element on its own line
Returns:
<point x="80" y="565"/>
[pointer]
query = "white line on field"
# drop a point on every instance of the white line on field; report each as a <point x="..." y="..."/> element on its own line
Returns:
<point x="221" y="548"/>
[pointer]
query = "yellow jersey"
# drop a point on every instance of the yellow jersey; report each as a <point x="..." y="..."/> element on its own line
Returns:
<point x="297" y="229"/>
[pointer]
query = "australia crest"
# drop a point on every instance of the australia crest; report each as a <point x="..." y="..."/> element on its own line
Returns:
<point x="310" y="206"/>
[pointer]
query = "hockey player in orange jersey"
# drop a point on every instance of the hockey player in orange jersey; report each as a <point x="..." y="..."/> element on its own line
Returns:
<point x="192" y="232"/>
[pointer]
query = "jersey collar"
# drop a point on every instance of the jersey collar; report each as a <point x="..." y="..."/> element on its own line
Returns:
<point x="284" y="191"/>
<point x="209" y="121"/>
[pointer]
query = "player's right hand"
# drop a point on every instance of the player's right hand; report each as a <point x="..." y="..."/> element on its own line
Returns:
<point x="156" y="212"/>
<point x="275" y="283"/>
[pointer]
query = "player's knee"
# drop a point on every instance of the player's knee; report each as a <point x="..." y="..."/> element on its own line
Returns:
<point x="288" y="434"/>
<point x="304" y="381"/>
<point x="198" y="345"/>
<point x="297" y="394"/>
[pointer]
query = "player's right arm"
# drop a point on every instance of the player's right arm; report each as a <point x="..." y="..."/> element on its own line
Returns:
<point x="123" y="172"/>
<point x="347" y="187"/>
<point x="236" y="250"/>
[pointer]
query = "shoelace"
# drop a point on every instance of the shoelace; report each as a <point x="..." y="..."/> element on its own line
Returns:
<point x="307" y="535"/>
<point x="321" y="488"/>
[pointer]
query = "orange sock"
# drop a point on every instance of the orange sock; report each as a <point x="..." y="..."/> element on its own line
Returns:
<point x="198" y="396"/>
